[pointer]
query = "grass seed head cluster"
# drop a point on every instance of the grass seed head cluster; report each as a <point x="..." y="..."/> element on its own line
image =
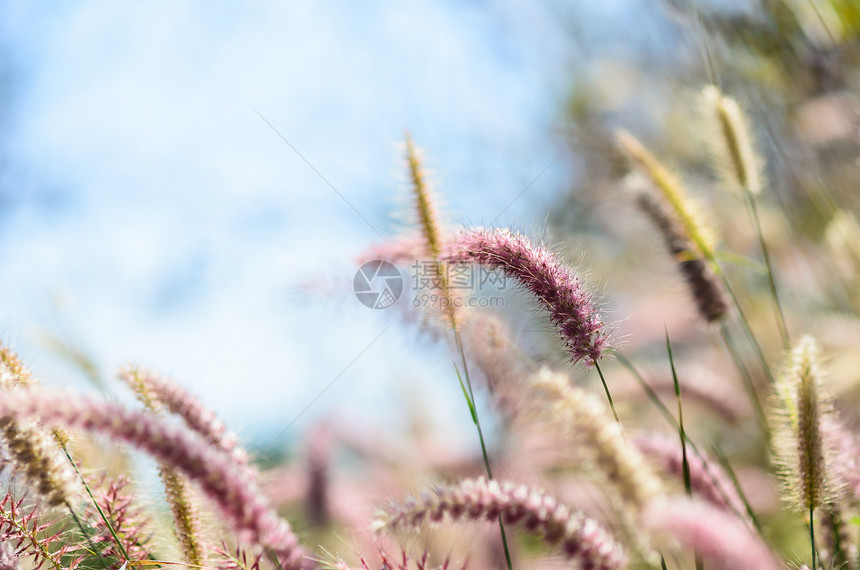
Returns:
<point x="593" y="464"/>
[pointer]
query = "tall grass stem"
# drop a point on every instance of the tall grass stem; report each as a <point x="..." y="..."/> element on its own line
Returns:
<point x="606" y="389"/>
<point x="474" y="411"/>
<point x="779" y="314"/>
<point x="748" y="383"/>
<point x="685" y="464"/>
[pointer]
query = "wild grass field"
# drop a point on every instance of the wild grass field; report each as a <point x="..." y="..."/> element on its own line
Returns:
<point x="669" y="381"/>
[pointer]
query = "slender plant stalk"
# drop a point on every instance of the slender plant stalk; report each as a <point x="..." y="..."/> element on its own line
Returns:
<point x="655" y="399"/>
<point x="470" y="397"/>
<point x="741" y="168"/>
<point x="689" y="217"/>
<point x="426" y="211"/>
<point x="688" y="483"/>
<point x="688" y="486"/>
<point x="727" y="467"/>
<point x="812" y="535"/>
<point x="771" y="282"/>
<point x="96" y="505"/>
<point x="84" y="532"/>
<point x="606" y="389"/>
<point x="742" y="317"/>
<point x="652" y="395"/>
<point x="430" y="230"/>
<point x="736" y="357"/>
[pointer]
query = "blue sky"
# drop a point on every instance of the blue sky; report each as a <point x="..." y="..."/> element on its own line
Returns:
<point x="151" y="215"/>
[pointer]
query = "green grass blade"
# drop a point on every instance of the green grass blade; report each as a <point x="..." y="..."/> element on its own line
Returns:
<point x="727" y="467"/>
<point x="468" y="398"/>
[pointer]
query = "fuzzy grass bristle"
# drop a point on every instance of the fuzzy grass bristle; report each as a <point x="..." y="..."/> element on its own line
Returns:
<point x="35" y="453"/>
<point x="555" y="285"/>
<point x="672" y="190"/>
<point x="734" y="154"/>
<point x="157" y="392"/>
<point x="425" y="206"/>
<point x="801" y="411"/>
<point x="227" y="484"/>
<point x="705" y="288"/>
<point x="577" y="537"/>
<point x="588" y="423"/>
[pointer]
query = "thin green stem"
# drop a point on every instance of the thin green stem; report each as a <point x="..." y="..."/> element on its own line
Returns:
<point x="96" y="505"/>
<point x="685" y="463"/>
<point x="771" y="282"/>
<point x="471" y="397"/>
<point x="742" y="316"/>
<point x="649" y="391"/>
<point x="727" y="467"/>
<point x="606" y="389"/>
<point x="655" y="399"/>
<point x="812" y="537"/>
<point x="270" y="553"/>
<point x="89" y="538"/>
<point x="477" y="422"/>
<point x="688" y="485"/>
<point x="748" y="383"/>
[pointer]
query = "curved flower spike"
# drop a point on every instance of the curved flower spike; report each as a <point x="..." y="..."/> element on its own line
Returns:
<point x="228" y="486"/>
<point x="538" y="270"/>
<point x="579" y="538"/>
<point x="722" y="539"/>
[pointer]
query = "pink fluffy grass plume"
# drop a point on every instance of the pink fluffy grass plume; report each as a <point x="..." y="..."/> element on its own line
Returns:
<point x="539" y="271"/>
<point x="724" y="541"/>
<point x="219" y="478"/>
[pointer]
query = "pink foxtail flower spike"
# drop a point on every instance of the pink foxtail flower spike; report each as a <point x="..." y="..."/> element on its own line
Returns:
<point x="708" y="480"/>
<point x="722" y="540"/>
<point x="228" y="486"/>
<point x="158" y="391"/>
<point x="34" y="453"/>
<point x="706" y="289"/>
<point x="538" y="270"/>
<point x="577" y="537"/>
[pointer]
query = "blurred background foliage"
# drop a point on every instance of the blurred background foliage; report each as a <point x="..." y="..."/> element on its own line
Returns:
<point x="793" y="67"/>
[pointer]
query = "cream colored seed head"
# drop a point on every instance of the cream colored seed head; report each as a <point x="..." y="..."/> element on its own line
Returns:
<point x="803" y="451"/>
<point x="734" y="155"/>
<point x="593" y="426"/>
<point x="31" y="448"/>
<point x="672" y="191"/>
